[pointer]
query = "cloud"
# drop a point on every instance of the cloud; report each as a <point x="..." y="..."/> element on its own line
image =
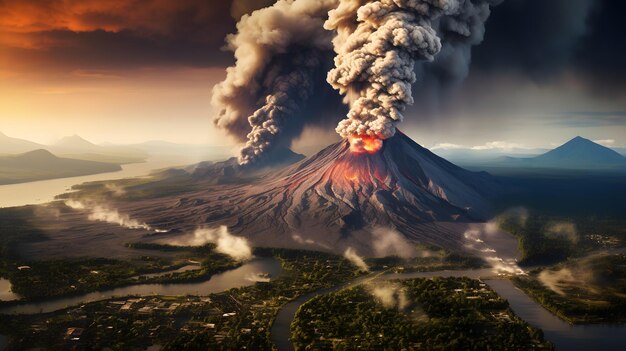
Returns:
<point x="388" y="242"/>
<point x="300" y="240"/>
<point x="498" y="145"/>
<point x="258" y="278"/>
<point x="390" y="295"/>
<point x="605" y="142"/>
<point x="565" y="230"/>
<point x="98" y="34"/>
<point x="351" y="255"/>
<point x="234" y="246"/>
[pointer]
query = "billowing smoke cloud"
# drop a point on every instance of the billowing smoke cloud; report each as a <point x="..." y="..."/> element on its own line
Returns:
<point x="351" y="255"/>
<point x="281" y="52"/>
<point x="236" y="247"/>
<point x="103" y="213"/>
<point x="390" y="295"/>
<point x="378" y="44"/>
<point x="278" y="52"/>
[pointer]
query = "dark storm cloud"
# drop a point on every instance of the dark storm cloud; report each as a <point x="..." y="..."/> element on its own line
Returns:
<point x="538" y="38"/>
<point x="542" y="39"/>
<point x="601" y="56"/>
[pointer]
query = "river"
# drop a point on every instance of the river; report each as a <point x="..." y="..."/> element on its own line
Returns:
<point x="242" y="276"/>
<point x="564" y="336"/>
<point x="44" y="191"/>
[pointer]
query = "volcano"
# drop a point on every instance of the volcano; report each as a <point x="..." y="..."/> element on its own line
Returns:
<point x="338" y="196"/>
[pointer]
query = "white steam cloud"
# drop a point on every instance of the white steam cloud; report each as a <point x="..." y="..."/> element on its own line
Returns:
<point x="258" y="278"/>
<point x="234" y="246"/>
<point x="390" y="295"/>
<point x="565" y="230"/>
<point x="351" y="255"/>
<point x="103" y="213"/>
<point x="388" y="242"/>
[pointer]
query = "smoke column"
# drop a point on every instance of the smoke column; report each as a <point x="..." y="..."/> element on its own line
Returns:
<point x="277" y="51"/>
<point x="378" y="44"/>
<point x="283" y="51"/>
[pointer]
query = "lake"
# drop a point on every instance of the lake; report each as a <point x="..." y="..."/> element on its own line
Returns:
<point x="245" y="275"/>
<point x="44" y="191"/>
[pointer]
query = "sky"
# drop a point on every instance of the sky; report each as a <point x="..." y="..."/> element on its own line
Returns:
<point x="134" y="70"/>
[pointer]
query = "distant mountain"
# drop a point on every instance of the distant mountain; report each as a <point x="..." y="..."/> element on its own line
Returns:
<point x="577" y="154"/>
<point x="76" y="142"/>
<point x="78" y="148"/>
<point x="10" y="146"/>
<point x="468" y="156"/>
<point x="41" y="164"/>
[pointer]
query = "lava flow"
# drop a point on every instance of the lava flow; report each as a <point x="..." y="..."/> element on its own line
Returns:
<point x="361" y="144"/>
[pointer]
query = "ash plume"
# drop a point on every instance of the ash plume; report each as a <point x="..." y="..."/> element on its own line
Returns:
<point x="378" y="44"/>
<point x="234" y="246"/>
<point x="275" y="88"/>
<point x="278" y="51"/>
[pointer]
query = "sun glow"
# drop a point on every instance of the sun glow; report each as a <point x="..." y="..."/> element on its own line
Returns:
<point x="361" y="144"/>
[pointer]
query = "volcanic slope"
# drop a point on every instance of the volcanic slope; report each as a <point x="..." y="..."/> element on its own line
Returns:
<point x="336" y="197"/>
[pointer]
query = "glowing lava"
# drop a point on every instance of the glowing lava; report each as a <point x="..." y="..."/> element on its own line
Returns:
<point x="362" y="144"/>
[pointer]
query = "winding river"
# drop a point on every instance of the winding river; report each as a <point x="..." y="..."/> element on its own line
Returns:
<point x="244" y="275"/>
<point x="565" y="337"/>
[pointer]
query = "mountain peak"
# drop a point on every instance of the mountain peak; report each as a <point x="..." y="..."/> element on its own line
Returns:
<point x="581" y="153"/>
<point x="75" y="141"/>
<point x="37" y="154"/>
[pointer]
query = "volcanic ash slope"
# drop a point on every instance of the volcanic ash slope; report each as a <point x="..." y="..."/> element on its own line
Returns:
<point x="334" y="198"/>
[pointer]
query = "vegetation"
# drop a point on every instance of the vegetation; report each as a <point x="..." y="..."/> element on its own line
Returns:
<point x="53" y="278"/>
<point x="439" y="260"/>
<point x="584" y="291"/>
<point x="546" y="239"/>
<point x="441" y="314"/>
<point x="234" y="320"/>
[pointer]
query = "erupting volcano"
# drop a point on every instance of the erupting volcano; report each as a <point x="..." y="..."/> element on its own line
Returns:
<point x="338" y="196"/>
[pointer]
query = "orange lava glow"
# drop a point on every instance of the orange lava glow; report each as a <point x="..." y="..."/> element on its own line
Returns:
<point x="361" y="144"/>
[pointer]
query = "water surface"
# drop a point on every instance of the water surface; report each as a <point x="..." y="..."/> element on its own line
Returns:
<point x="44" y="191"/>
<point x="566" y="337"/>
<point x="245" y="275"/>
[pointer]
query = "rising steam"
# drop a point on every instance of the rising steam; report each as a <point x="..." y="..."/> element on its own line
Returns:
<point x="351" y="255"/>
<point x="282" y="50"/>
<point x="234" y="246"/>
<point x="103" y="213"/>
<point x="387" y="242"/>
<point x="390" y="295"/>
